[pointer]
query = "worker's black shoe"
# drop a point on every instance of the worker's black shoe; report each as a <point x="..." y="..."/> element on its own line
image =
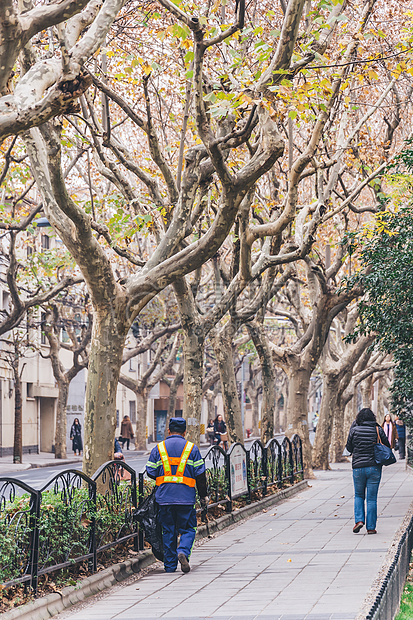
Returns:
<point x="183" y="560"/>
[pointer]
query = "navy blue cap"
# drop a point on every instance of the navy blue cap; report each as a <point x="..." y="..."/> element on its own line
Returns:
<point x="177" y="425"/>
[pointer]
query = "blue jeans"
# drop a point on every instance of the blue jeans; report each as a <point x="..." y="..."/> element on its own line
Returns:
<point x="176" y="519"/>
<point x="366" y="478"/>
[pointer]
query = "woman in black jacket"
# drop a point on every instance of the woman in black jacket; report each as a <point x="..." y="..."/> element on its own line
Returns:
<point x="76" y="436"/>
<point x="366" y="473"/>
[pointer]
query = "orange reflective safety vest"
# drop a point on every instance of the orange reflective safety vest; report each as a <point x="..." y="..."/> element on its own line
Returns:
<point x="181" y="461"/>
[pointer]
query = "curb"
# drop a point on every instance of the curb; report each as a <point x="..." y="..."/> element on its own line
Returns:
<point x="387" y="602"/>
<point x="56" y="602"/>
<point x="388" y="590"/>
<point x="54" y="463"/>
<point x="26" y="466"/>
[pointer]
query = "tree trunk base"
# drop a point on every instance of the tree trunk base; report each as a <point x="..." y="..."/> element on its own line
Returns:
<point x="322" y="467"/>
<point x="341" y="459"/>
<point x="309" y="474"/>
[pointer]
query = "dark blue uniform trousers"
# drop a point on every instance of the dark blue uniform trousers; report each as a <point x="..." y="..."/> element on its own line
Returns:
<point x="176" y="519"/>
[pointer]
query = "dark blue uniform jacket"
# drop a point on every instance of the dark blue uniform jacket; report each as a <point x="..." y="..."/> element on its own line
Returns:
<point x="401" y="430"/>
<point x="172" y="492"/>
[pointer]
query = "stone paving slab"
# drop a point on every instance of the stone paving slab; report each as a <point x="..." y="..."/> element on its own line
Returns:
<point x="297" y="561"/>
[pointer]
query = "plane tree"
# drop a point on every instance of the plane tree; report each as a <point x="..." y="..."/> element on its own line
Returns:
<point x="118" y="302"/>
<point x="191" y="170"/>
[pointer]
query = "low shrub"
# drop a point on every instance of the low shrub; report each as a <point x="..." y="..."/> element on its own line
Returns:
<point x="65" y="528"/>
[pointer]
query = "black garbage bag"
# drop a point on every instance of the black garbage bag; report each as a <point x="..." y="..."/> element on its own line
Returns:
<point x="147" y="516"/>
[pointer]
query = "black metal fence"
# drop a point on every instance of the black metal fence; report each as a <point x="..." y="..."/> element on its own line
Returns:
<point x="273" y="465"/>
<point x="66" y="522"/>
<point x="74" y="518"/>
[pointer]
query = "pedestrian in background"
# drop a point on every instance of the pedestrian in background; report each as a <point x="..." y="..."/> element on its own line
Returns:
<point x="220" y="429"/>
<point x="362" y="438"/>
<point x="210" y="431"/>
<point x="126" y="431"/>
<point x="117" y="448"/>
<point x="401" y="432"/>
<point x="177" y="466"/>
<point x="76" y="436"/>
<point x="122" y="473"/>
<point x="390" y="430"/>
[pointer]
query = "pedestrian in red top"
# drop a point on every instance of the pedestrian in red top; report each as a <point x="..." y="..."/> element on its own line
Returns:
<point x="126" y="431"/>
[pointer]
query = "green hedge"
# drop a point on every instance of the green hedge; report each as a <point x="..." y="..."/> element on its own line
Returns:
<point x="64" y="528"/>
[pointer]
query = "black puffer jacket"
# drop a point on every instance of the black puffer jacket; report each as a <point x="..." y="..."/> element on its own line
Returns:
<point x="360" y="443"/>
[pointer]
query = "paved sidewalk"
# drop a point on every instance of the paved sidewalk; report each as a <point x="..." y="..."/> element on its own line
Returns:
<point x="30" y="461"/>
<point x="298" y="560"/>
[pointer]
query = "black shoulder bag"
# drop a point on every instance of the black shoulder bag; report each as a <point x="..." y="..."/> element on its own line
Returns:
<point x="382" y="454"/>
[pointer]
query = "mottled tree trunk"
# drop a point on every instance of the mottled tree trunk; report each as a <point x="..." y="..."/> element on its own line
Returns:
<point x="193" y="374"/>
<point x="210" y="398"/>
<point x="380" y="400"/>
<point x="268" y="381"/>
<point x="338" y="440"/>
<point x="343" y="420"/>
<point x="18" y="414"/>
<point x="350" y="414"/>
<point x="277" y="422"/>
<point x="61" y="420"/>
<point x="255" y="413"/>
<point x="282" y="415"/>
<point x="325" y="422"/>
<point x="268" y="404"/>
<point x="223" y="352"/>
<point x="297" y="411"/>
<point x="365" y="387"/>
<point x="173" y="390"/>
<point x="193" y="351"/>
<point x="103" y="375"/>
<point x="141" y="419"/>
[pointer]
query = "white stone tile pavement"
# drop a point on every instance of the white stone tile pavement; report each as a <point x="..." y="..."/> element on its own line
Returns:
<point x="299" y="560"/>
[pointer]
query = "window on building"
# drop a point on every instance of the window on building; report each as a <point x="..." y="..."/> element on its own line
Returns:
<point x="29" y="390"/>
<point x="132" y="411"/>
<point x="6" y="301"/>
<point x="45" y="242"/>
<point x="43" y="338"/>
<point x="132" y="366"/>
